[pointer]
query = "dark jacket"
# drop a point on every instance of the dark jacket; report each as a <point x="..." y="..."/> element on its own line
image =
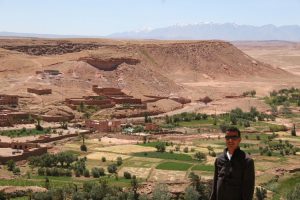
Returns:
<point x="233" y="179"/>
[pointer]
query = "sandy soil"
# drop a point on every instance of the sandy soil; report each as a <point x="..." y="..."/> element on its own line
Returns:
<point x="126" y="149"/>
<point x="107" y="155"/>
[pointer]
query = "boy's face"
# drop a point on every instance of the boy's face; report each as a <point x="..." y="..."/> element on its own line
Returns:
<point x="232" y="140"/>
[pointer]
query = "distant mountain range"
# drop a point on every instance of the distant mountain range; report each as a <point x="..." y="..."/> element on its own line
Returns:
<point x="200" y="31"/>
<point x="209" y="31"/>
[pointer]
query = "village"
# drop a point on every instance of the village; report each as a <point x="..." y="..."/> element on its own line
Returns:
<point x="120" y="117"/>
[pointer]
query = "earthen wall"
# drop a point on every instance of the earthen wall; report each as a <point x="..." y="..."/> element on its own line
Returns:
<point x="39" y="91"/>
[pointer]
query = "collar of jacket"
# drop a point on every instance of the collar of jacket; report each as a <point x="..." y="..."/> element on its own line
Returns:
<point x="235" y="153"/>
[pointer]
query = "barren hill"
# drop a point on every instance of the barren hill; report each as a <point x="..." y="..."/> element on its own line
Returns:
<point x="138" y="67"/>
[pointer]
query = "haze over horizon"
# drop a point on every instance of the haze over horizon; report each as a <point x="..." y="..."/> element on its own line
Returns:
<point x="101" y="18"/>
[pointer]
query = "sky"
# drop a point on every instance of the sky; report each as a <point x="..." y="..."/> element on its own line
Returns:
<point x="104" y="17"/>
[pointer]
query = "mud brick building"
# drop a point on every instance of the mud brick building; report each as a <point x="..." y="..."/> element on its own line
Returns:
<point x="52" y="72"/>
<point x="152" y="127"/>
<point x="116" y="95"/>
<point x="39" y="91"/>
<point x="108" y="91"/>
<point x="5" y="120"/>
<point x="11" y="100"/>
<point x="19" y="151"/>
<point x="54" y="118"/>
<point x="11" y="117"/>
<point x="90" y="100"/>
<point x="104" y="125"/>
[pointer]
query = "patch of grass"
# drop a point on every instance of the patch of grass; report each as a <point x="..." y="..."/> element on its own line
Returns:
<point x="283" y="185"/>
<point x="150" y="144"/>
<point x="197" y="123"/>
<point x="138" y="163"/>
<point x="165" y="155"/>
<point x="20" y="198"/>
<point x="174" y="166"/>
<point x="24" y="132"/>
<point x="21" y="182"/>
<point x="288" y="183"/>
<point x="208" y="168"/>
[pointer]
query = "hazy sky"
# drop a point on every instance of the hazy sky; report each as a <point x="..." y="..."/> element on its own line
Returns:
<point x="102" y="17"/>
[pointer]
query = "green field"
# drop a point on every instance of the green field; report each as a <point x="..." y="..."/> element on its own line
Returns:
<point x="174" y="166"/>
<point x="208" y="168"/>
<point x="165" y="155"/>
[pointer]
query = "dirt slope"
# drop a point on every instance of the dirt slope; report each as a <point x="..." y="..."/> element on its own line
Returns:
<point x="138" y="67"/>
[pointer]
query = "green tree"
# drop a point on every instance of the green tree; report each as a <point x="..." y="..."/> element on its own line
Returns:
<point x="38" y="124"/>
<point x="252" y="93"/>
<point x="112" y="168"/>
<point x="199" y="187"/>
<point x="119" y="161"/>
<point x="11" y="165"/>
<point x="127" y="175"/>
<point x="161" y="192"/>
<point x="161" y="147"/>
<point x="191" y="194"/>
<point x="134" y="187"/>
<point x="293" y="131"/>
<point x="200" y="156"/>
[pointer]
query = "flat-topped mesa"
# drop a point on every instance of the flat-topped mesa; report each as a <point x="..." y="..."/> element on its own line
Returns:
<point x="51" y="49"/>
<point x="109" y="64"/>
<point x="205" y="60"/>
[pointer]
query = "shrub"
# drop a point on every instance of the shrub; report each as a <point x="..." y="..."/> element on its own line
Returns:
<point x="185" y="149"/>
<point x="277" y="128"/>
<point x="269" y="153"/>
<point x="68" y="172"/>
<point x="95" y="172"/>
<point x="119" y="161"/>
<point x="127" y="175"/>
<point x="161" y="147"/>
<point x="103" y="159"/>
<point x="101" y="171"/>
<point x="213" y="154"/>
<point x="16" y="171"/>
<point x="86" y="173"/>
<point x="112" y="168"/>
<point x="83" y="147"/>
<point x="77" y="173"/>
<point x="41" y="171"/>
<point x="11" y="165"/>
<point x="200" y="156"/>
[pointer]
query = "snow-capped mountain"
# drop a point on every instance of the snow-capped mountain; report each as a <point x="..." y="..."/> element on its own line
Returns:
<point x="206" y="31"/>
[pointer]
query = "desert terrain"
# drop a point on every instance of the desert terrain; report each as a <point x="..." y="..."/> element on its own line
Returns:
<point x="190" y="69"/>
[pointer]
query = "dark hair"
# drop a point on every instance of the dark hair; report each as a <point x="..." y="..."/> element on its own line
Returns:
<point x="233" y="129"/>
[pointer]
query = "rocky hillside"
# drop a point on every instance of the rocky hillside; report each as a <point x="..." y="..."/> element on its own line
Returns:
<point x="138" y="67"/>
<point x="205" y="60"/>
